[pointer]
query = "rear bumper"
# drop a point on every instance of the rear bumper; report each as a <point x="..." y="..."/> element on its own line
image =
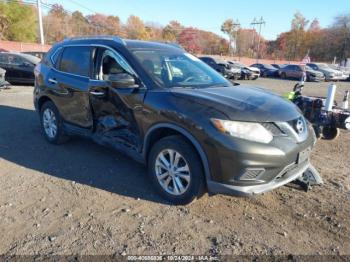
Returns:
<point x="283" y="178"/>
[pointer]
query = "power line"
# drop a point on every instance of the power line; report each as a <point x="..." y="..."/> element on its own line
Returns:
<point x="78" y="4"/>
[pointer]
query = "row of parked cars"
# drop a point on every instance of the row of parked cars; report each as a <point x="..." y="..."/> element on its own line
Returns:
<point x="314" y="71"/>
<point x="18" y="67"/>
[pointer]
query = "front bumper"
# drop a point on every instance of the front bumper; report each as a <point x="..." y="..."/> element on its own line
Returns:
<point x="336" y="78"/>
<point x="230" y="74"/>
<point x="317" y="78"/>
<point x="282" y="179"/>
<point x="240" y="167"/>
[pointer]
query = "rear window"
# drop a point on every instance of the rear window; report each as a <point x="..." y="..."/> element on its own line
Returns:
<point x="76" y="60"/>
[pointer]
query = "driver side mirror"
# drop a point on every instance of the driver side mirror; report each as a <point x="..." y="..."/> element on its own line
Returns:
<point x="122" y="81"/>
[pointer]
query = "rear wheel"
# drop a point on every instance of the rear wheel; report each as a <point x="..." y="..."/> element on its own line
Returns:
<point x="51" y="124"/>
<point x="176" y="170"/>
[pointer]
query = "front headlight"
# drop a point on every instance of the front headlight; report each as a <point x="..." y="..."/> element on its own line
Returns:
<point x="244" y="130"/>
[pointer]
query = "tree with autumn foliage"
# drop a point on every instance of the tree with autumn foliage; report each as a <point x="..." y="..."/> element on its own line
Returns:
<point x="231" y="28"/>
<point x="136" y="29"/>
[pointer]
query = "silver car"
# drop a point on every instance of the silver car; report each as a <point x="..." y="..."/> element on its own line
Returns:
<point x="329" y="73"/>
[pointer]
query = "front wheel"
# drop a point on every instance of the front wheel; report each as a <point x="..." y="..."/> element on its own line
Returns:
<point x="176" y="170"/>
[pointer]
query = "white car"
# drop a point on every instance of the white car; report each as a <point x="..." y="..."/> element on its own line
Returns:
<point x="247" y="72"/>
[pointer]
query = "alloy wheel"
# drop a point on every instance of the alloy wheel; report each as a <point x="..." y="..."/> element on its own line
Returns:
<point x="173" y="172"/>
<point x="49" y="123"/>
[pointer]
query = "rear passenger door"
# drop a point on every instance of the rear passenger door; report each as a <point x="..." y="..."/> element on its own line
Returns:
<point x="69" y="85"/>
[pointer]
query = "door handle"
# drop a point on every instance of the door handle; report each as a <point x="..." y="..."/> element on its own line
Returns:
<point x="97" y="93"/>
<point x="52" y="81"/>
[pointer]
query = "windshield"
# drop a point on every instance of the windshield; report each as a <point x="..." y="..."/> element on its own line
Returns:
<point x="33" y="59"/>
<point x="176" y="69"/>
<point x="323" y="66"/>
<point x="239" y="64"/>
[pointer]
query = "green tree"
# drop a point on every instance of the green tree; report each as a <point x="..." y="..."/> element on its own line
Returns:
<point x="18" y="22"/>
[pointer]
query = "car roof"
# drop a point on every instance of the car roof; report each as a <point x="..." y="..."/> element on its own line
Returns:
<point x="128" y="43"/>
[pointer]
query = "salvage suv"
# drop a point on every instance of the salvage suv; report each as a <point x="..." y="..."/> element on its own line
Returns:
<point x="195" y="130"/>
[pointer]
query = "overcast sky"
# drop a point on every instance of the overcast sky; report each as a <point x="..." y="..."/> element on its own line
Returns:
<point x="209" y="14"/>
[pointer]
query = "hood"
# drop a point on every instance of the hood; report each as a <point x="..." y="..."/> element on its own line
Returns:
<point x="252" y="68"/>
<point x="243" y="103"/>
<point x="330" y="71"/>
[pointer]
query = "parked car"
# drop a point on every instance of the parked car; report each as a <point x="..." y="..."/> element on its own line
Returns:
<point x="329" y="73"/>
<point x="222" y="67"/>
<point x="247" y="72"/>
<point x="194" y="129"/>
<point x="36" y="53"/>
<point x="296" y="72"/>
<point x="266" y="70"/>
<point x="19" y="67"/>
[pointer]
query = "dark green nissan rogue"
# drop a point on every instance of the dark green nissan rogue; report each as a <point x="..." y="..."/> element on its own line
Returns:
<point x="162" y="106"/>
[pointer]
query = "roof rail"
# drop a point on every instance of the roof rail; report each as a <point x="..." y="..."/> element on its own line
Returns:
<point x="102" y="37"/>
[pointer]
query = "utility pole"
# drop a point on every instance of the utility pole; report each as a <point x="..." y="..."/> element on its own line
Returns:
<point x="236" y="26"/>
<point x="253" y="23"/>
<point x="258" y="23"/>
<point x="40" y="18"/>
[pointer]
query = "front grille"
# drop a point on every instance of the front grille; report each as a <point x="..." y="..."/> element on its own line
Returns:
<point x="298" y="125"/>
<point x="296" y="128"/>
<point x="252" y="173"/>
<point x="275" y="130"/>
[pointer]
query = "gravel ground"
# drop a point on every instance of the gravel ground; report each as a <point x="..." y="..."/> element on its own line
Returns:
<point x="81" y="198"/>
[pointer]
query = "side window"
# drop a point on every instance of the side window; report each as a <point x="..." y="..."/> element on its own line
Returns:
<point x="112" y="63"/>
<point x="15" y="60"/>
<point x="313" y="66"/>
<point x="54" y="57"/>
<point x="211" y="61"/>
<point x="76" y="60"/>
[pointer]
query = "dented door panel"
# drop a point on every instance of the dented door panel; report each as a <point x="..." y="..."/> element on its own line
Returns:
<point x="114" y="115"/>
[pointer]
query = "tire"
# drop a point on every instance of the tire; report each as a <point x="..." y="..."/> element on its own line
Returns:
<point x="192" y="189"/>
<point x="57" y="137"/>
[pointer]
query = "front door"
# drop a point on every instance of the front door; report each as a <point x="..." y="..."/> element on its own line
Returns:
<point x="114" y="108"/>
